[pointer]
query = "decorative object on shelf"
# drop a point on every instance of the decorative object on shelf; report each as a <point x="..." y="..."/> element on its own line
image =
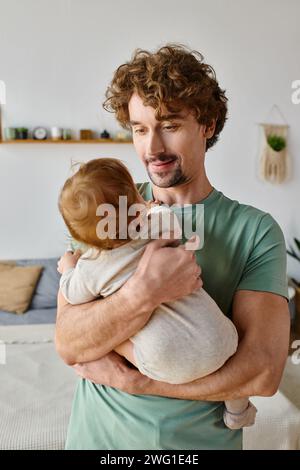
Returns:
<point x="0" y="123"/>
<point x="86" y="134"/>
<point x="274" y="156"/>
<point x="2" y="102"/>
<point x="295" y="253"/>
<point x="10" y="133"/>
<point x="123" y="136"/>
<point x="2" y="92"/>
<point x="40" y="133"/>
<point x="66" y="134"/>
<point x="22" y="133"/>
<point x="105" y="135"/>
<point x="56" y="133"/>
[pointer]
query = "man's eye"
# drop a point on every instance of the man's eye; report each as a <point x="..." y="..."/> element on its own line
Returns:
<point x="139" y="131"/>
<point x="170" y="128"/>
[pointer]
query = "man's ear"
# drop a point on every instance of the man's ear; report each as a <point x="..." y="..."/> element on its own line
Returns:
<point x="209" y="130"/>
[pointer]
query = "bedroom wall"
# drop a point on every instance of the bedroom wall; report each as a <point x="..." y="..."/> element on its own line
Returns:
<point x="57" y="57"/>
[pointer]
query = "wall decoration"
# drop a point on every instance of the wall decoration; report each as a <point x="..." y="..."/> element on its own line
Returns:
<point x="274" y="154"/>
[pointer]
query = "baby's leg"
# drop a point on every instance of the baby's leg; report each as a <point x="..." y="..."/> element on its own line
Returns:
<point x="239" y="413"/>
<point x="126" y="349"/>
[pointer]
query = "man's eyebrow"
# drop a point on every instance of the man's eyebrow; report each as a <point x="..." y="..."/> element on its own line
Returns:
<point x="134" y="123"/>
<point x="172" y="116"/>
<point x="165" y="117"/>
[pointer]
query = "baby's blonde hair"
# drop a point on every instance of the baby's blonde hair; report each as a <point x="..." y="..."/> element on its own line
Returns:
<point x="96" y="182"/>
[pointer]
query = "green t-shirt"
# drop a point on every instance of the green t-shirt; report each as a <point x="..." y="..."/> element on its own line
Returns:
<point x="243" y="249"/>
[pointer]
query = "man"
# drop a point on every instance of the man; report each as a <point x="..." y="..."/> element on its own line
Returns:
<point x="176" y="110"/>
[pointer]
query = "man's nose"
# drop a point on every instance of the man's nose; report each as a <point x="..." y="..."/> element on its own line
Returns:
<point x="155" y="144"/>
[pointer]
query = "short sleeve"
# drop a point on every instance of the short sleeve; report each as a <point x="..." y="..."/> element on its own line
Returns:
<point x="265" y="269"/>
<point x="73" y="287"/>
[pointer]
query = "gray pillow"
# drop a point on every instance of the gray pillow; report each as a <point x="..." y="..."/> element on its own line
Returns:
<point x="45" y="295"/>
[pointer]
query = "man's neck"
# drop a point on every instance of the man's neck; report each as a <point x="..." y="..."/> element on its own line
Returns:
<point x="187" y="193"/>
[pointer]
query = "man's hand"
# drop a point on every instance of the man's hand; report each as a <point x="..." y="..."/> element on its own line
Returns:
<point x="165" y="273"/>
<point x="114" y="371"/>
<point x="68" y="260"/>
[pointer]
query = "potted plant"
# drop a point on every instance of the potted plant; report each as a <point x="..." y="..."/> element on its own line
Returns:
<point x="294" y="252"/>
<point x="276" y="142"/>
<point x="22" y="133"/>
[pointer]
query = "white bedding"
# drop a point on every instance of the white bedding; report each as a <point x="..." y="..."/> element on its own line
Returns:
<point x="36" y="389"/>
<point x="277" y="424"/>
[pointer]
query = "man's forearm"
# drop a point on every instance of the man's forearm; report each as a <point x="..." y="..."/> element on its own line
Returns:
<point x="243" y="375"/>
<point x="89" y="331"/>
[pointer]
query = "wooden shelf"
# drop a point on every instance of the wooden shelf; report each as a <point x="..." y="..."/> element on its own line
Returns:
<point x="71" y="141"/>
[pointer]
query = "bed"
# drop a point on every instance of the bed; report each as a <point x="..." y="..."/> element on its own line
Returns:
<point x="36" y="389"/>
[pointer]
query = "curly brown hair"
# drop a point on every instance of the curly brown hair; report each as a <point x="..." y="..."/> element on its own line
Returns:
<point x="174" y="76"/>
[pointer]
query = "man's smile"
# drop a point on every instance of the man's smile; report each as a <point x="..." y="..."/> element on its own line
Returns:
<point x="158" y="165"/>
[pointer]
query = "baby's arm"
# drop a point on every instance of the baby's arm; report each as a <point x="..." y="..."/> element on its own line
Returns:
<point x="126" y="349"/>
<point x="76" y="292"/>
<point x="72" y="283"/>
<point x="68" y="260"/>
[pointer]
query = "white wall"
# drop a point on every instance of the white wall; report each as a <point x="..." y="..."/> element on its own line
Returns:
<point x="57" y="57"/>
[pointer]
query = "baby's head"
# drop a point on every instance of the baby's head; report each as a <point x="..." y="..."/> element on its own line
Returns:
<point x="99" y="181"/>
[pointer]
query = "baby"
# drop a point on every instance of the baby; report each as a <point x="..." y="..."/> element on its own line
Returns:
<point x="185" y="339"/>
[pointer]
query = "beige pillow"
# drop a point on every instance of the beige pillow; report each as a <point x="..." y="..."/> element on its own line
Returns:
<point x="17" y="285"/>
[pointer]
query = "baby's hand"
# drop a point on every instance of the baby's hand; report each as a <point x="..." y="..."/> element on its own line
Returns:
<point x="68" y="260"/>
<point x="152" y="203"/>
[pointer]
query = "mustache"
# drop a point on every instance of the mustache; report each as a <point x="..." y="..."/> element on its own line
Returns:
<point x="162" y="158"/>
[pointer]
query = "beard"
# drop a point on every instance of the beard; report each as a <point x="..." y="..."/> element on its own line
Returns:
<point x="166" y="178"/>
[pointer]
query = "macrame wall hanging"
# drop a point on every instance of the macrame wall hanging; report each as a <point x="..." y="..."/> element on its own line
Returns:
<point x="274" y="154"/>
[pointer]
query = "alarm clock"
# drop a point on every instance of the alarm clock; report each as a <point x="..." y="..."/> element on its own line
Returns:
<point x="39" y="133"/>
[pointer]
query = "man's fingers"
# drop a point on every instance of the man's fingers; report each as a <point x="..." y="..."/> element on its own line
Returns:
<point x="161" y="243"/>
<point x="193" y="243"/>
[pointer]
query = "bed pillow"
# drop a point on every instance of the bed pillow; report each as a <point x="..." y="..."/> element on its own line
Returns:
<point x="45" y="295"/>
<point x="17" y="285"/>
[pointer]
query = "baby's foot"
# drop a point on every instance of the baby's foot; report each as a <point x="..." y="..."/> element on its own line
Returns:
<point x="240" y="420"/>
